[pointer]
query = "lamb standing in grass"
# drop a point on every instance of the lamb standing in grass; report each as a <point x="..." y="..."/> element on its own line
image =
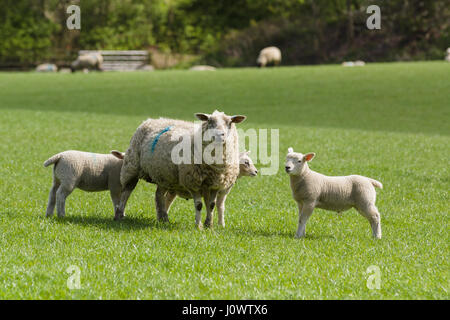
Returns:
<point x="311" y="189"/>
<point x="86" y="171"/>
<point x="246" y="169"/>
<point x="269" y="56"/>
<point x="150" y="155"/>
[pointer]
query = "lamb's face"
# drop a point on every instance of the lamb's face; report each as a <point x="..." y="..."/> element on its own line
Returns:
<point x="218" y="126"/>
<point x="296" y="162"/>
<point x="246" y="166"/>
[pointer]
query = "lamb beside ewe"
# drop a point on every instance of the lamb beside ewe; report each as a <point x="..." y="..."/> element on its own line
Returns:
<point x="164" y="200"/>
<point x="86" y="171"/>
<point x="156" y="142"/>
<point x="90" y="61"/>
<point x="269" y="56"/>
<point x="311" y="189"/>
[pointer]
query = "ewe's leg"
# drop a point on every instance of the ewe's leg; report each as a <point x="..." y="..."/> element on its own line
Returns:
<point x="52" y="199"/>
<point x="61" y="194"/>
<point x="210" y="202"/>
<point x="305" y="212"/>
<point x="220" y="203"/>
<point x="372" y="214"/>
<point x="198" y="210"/>
<point x="160" y="201"/>
<point x="125" y="194"/>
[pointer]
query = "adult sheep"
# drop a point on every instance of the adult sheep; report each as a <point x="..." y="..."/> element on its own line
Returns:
<point x="164" y="199"/>
<point x="269" y="56"/>
<point x="90" y="61"/>
<point x="155" y="151"/>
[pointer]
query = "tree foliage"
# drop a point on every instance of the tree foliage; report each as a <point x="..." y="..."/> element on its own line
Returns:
<point x="226" y="32"/>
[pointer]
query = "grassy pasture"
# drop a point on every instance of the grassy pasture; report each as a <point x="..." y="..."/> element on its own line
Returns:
<point x="386" y="121"/>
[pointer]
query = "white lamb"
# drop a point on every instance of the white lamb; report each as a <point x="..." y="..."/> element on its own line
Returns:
<point x="246" y="169"/>
<point x="311" y="189"/>
<point x="150" y="155"/>
<point x="269" y="55"/>
<point x="86" y="171"/>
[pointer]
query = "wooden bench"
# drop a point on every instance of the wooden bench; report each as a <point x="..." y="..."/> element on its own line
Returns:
<point x="117" y="60"/>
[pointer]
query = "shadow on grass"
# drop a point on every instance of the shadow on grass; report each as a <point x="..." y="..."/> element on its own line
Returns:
<point x="280" y="234"/>
<point x="129" y="223"/>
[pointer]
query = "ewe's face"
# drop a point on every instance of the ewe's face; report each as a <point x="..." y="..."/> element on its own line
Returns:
<point x="246" y="166"/>
<point x="296" y="162"/>
<point x="217" y="126"/>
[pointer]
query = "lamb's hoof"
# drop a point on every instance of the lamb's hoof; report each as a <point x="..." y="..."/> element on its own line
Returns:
<point x="222" y="224"/>
<point x="199" y="226"/>
<point x="299" y="236"/>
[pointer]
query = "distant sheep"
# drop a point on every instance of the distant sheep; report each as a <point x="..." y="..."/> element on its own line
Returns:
<point x="89" y="61"/>
<point x="447" y="58"/>
<point x="202" y="68"/>
<point x="47" y="67"/>
<point x="150" y="155"/>
<point x="246" y="169"/>
<point x="311" y="190"/>
<point x="86" y="171"/>
<point x="269" y="56"/>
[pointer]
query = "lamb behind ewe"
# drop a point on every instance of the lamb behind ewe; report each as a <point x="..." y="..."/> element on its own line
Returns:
<point x="269" y="56"/>
<point x="164" y="200"/>
<point x="311" y="189"/>
<point x="151" y="155"/>
<point x="86" y="171"/>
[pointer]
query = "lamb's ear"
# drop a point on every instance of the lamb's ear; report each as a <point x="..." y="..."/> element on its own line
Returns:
<point x="118" y="154"/>
<point x="290" y="150"/>
<point x="238" y="119"/>
<point x="309" y="156"/>
<point x="202" y="116"/>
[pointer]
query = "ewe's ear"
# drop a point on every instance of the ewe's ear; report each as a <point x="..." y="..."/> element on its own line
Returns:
<point x="202" y="116"/>
<point x="290" y="150"/>
<point x="238" y="119"/>
<point x="118" y="154"/>
<point x="309" y="156"/>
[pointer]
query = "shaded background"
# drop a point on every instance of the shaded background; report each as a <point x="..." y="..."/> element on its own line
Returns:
<point x="179" y="33"/>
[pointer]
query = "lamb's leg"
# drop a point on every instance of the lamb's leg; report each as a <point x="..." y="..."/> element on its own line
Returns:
<point x="52" y="199"/>
<point x="169" y="199"/>
<point x="61" y="194"/>
<point x="198" y="210"/>
<point x="160" y="201"/>
<point x="125" y="194"/>
<point x="305" y="212"/>
<point x="220" y="203"/>
<point x="372" y="214"/>
<point x="115" y="197"/>
<point x="210" y="202"/>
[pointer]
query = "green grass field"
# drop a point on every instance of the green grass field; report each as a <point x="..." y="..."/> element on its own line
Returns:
<point x="386" y="121"/>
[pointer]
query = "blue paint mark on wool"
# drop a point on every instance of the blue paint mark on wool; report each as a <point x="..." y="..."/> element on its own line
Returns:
<point x="155" y="141"/>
